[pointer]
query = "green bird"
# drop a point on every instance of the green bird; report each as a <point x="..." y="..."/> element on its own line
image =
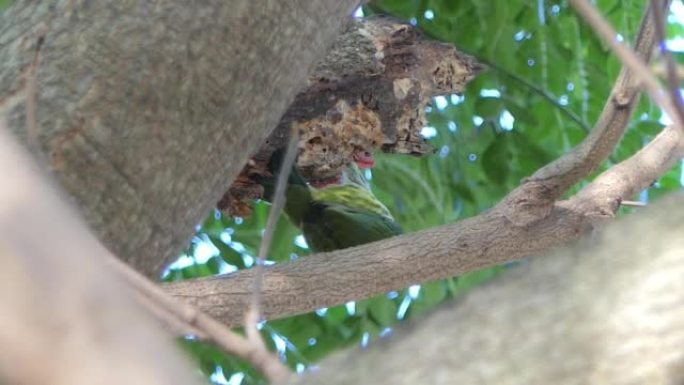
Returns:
<point x="336" y="216"/>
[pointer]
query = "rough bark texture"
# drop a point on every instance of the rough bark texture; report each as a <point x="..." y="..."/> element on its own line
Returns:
<point x="148" y="110"/>
<point x="608" y="312"/>
<point x="64" y="318"/>
<point x="369" y="93"/>
<point x="329" y="279"/>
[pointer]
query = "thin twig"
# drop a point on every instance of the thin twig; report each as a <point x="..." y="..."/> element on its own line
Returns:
<point x="633" y="203"/>
<point x="254" y="313"/>
<point x="229" y="341"/>
<point x="660" y="70"/>
<point x="276" y="206"/>
<point x="550" y="182"/>
<point x="672" y="76"/>
<point x="636" y="172"/>
<point x="608" y="34"/>
<point x="535" y="89"/>
<point x="170" y="322"/>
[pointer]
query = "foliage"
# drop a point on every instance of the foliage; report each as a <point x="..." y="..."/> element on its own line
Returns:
<point x="548" y="79"/>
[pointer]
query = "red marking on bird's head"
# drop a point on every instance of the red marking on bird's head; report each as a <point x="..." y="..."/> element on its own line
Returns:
<point x="364" y="159"/>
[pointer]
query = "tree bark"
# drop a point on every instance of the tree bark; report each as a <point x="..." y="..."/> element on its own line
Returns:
<point x="609" y="311"/>
<point x="148" y="110"/>
<point x="369" y="93"/>
<point x="64" y="318"/>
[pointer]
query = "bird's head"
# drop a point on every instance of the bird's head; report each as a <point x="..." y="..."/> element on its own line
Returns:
<point x="360" y="160"/>
<point x="364" y="159"/>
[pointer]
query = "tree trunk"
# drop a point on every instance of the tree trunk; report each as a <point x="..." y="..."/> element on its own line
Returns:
<point x="148" y="110"/>
<point x="64" y="318"/>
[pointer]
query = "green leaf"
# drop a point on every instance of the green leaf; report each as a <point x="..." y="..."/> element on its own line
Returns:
<point x="434" y="293"/>
<point x="520" y="113"/>
<point x="335" y="315"/>
<point x="496" y="159"/>
<point x="230" y="255"/>
<point x="489" y="108"/>
<point x="383" y="311"/>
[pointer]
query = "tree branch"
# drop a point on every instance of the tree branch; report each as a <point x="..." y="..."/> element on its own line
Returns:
<point x="646" y="79"/>
<point x="115" y="114"/>
<point x="274" y="213"/>
<point x="177" y="314"/>
<point x="549" y="182"/>
<point x="609" y="311"/>
<point x="627" y="178"/>
<point x="329" y="279"/>
<point x="666" y="55"/>
<point x="65" y="319"/>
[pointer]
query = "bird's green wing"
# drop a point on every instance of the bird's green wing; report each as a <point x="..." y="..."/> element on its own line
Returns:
<point x="330" y="226"/>
<point x="352" y="196"/>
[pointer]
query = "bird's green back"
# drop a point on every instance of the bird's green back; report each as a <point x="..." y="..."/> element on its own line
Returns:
<point x="352" y="195"/>
<point x="337" y="216"/>
<point x="347" y="215"/>
<point x="330" y="226"/>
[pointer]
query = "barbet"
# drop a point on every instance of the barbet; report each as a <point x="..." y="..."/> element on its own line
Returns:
<point x="336" y="216"/>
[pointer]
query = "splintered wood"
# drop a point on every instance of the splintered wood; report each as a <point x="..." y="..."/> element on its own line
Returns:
<point x="369" y="93"/>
